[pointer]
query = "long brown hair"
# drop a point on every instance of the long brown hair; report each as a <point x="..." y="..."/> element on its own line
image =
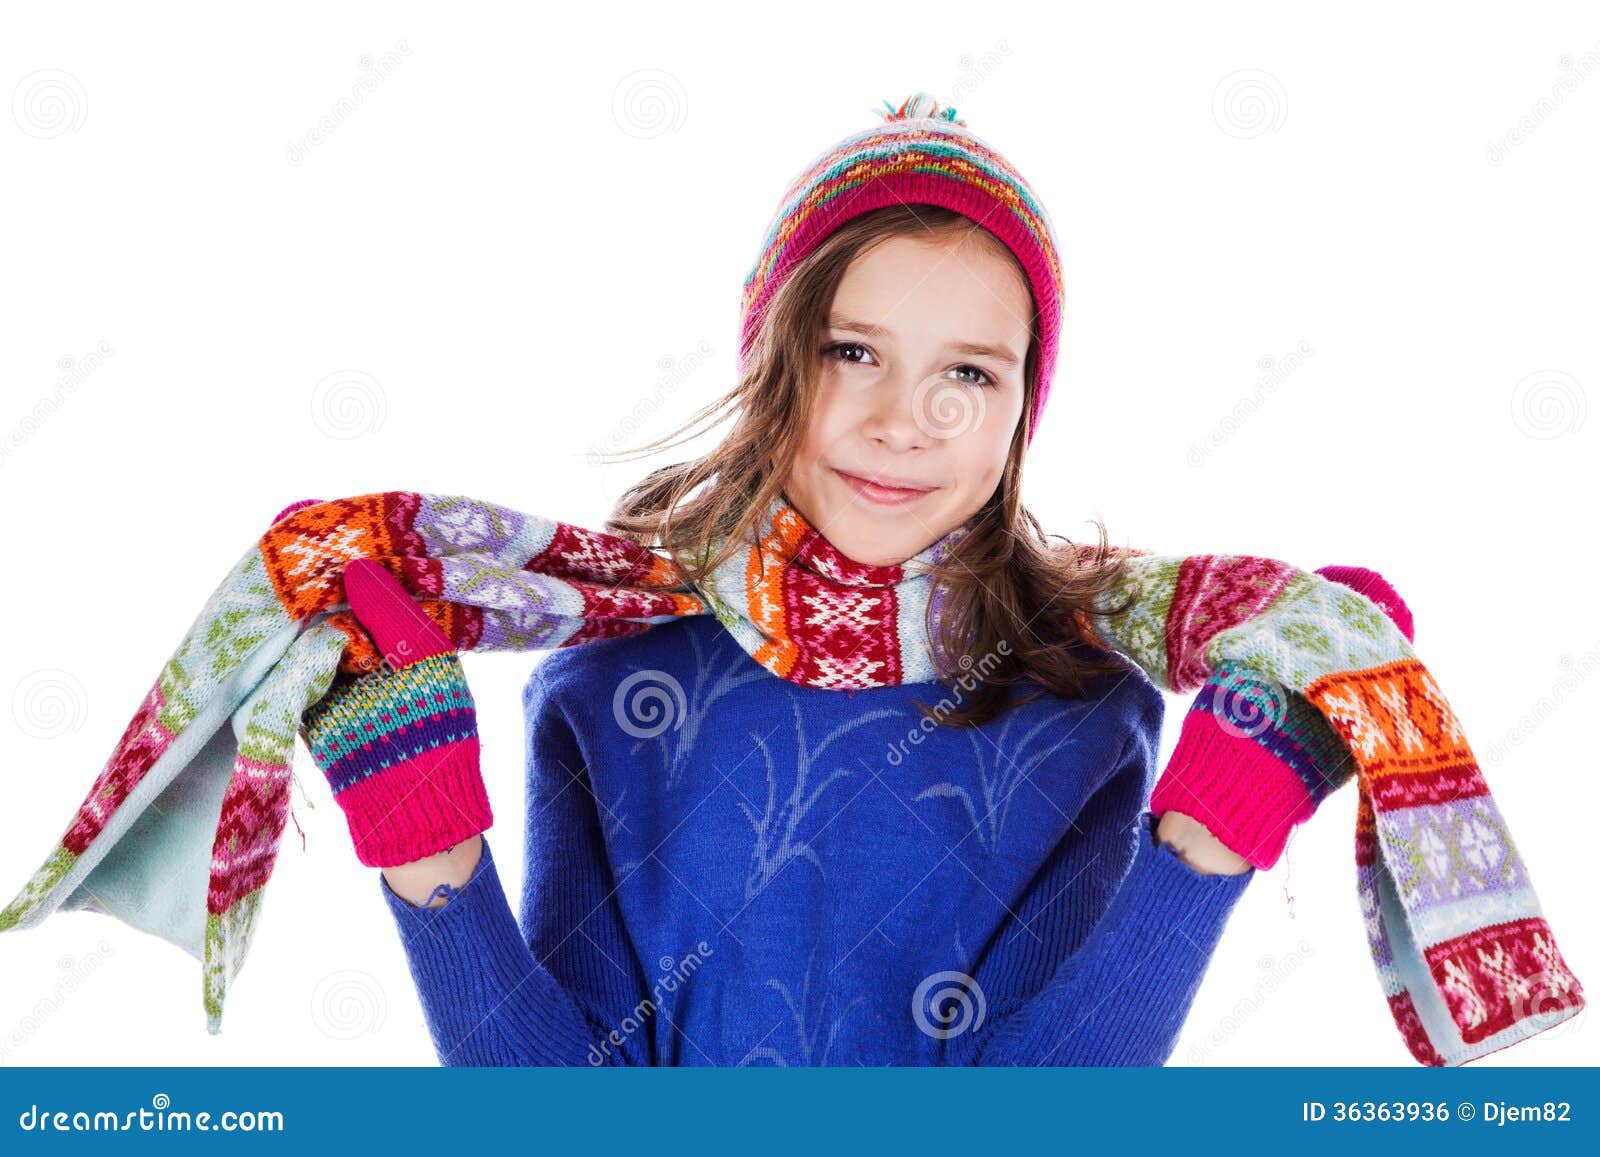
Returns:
<point x="1011" y="598"/>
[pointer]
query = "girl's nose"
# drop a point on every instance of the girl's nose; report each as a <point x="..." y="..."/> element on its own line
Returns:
<point x="893" y="418"/>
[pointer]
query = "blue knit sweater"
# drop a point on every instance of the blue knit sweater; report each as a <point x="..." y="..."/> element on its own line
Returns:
<point x="766" y="873"/>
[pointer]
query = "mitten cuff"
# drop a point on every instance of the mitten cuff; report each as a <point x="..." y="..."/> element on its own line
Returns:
<point x="1246" y="796"/>
<point x="419" y="807"/>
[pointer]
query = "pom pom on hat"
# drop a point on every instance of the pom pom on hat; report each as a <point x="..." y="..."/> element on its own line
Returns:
<point x="920" y="105"/>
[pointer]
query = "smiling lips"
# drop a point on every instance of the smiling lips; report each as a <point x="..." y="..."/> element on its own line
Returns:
<point x="889" y="492"/>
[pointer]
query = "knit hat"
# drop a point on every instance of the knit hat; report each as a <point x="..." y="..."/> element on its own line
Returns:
<point x="921" y="154"/>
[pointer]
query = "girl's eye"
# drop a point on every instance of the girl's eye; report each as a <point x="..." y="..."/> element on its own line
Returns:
<point x="843" y="351"/>
<point x="983" y="378"/>
<point x="835" y="348"/>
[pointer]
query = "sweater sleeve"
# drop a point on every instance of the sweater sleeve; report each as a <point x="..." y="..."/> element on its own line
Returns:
<point x="556" y="990"/>
<point x="571" y="905"/>
<point x="1138" y="925"/>
<point x="486" y="998"/>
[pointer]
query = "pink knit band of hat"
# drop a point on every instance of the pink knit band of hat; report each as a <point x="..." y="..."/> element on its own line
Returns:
<point x="922" y="155"/>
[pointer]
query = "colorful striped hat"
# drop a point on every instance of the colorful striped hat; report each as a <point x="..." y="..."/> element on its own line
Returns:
<point x="921" y="154"/>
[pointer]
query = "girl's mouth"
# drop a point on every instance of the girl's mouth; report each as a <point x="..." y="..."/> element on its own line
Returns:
<point x="882" y="494"/>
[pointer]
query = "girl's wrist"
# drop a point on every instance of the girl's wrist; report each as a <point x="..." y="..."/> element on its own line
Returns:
<point x="1197" y="847"/>
<point x="419" y="882"/>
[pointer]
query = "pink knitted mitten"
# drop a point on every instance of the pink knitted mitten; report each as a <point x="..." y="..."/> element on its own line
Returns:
<point x="399" y="746"/>
<point x="1255" y="759"/>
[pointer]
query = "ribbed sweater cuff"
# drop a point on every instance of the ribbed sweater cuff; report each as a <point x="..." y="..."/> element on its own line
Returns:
<point x="488" y="1001"/>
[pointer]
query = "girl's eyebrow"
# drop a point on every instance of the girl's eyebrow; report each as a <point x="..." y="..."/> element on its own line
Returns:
<point x="973" y="349"/>
<point x="1004" y="356"/>
<point x="866" y="327"/>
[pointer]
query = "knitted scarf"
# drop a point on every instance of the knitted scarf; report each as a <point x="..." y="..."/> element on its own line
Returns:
<point x="180" y="831"/>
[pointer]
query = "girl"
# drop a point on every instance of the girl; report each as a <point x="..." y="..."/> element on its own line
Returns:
<point x="968" y="869"/>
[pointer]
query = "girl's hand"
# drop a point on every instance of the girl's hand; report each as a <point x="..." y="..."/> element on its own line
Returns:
<point x="399" y="746"/>
<point x="1254" y="760"/>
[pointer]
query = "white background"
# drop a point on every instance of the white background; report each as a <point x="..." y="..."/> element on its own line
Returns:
<point x="497" y="260"/>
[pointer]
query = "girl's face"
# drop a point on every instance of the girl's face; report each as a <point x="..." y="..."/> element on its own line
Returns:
<point x="920" y="388"/>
